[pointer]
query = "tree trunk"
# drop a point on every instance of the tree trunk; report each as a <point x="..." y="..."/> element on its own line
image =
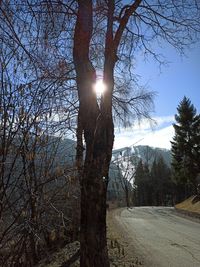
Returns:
<point x="93" y="219"/>
<point x="97" y="126"/>
<point x="93" y="193"/>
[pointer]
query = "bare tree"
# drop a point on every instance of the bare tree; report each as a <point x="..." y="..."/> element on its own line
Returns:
<point x="141" y="23"/>
<point x="126" y="165"/>
<point x="35" y="180"/>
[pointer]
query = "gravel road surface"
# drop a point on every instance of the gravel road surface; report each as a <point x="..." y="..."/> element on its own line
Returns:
<point x="160" y="236"/>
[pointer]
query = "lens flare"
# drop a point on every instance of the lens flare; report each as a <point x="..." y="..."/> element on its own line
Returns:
<point x="99" y="87"/>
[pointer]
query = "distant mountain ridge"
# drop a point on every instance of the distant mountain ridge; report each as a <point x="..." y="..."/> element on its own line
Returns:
<point x="146" y="153"/>
<point x="67" y="148"/>
<point x="66" y="152"/>
<point x="122" y="159"/>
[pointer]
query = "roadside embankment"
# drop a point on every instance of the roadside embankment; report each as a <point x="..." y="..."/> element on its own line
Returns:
<point x="189" y="207"/>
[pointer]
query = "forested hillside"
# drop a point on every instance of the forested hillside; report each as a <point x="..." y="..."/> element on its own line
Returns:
<point x="147" y="175"/>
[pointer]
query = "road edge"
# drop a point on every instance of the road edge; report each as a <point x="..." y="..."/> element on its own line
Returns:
<point x="132" y="255"/>
<point x="188" y="214"/>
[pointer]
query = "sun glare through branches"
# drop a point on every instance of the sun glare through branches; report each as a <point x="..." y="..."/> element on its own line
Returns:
<point x="99" y="87"/>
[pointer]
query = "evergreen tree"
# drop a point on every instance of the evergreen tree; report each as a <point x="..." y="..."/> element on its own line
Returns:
<point x="148" y="185"/>
<point x="139" y="190"/>
<point x="186" y="144"/>
<point x="162" y="189"/>
<point x="153" y="186"/>
<point x="155" y="182"/>
<point x="143" y="185"/>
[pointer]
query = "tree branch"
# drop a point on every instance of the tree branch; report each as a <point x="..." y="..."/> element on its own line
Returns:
<point x="129" y="10"/>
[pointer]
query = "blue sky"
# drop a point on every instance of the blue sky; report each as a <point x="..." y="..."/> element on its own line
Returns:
<point x="180" y="77"/>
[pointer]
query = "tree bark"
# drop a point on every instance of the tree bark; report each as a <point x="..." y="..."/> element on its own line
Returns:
<point x="98" y="132"/>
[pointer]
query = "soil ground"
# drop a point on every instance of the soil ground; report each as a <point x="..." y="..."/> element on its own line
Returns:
<point x="121" y="252"/>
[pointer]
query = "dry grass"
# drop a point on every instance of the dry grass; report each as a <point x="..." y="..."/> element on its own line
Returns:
<point x="189" y="205"/>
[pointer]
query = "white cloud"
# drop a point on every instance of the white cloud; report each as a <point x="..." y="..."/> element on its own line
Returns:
<point x="160" y="138"/>
<point x="163" y="120"/>
<point x="143" y="134"/>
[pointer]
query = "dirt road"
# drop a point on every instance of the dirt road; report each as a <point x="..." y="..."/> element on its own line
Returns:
<point x="160" y="237"/>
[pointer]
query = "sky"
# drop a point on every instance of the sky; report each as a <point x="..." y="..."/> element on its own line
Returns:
<point x="181" y="77"/>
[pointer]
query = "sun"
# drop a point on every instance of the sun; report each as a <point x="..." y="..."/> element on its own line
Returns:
<point x="99" y="87"/>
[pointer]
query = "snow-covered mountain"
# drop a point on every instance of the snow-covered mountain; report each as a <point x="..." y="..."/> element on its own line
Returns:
<point x="146" y="153"/>
<point x="127" y="159"/>
<point x="123" y="163"/>
<point x="67" y="152"/>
